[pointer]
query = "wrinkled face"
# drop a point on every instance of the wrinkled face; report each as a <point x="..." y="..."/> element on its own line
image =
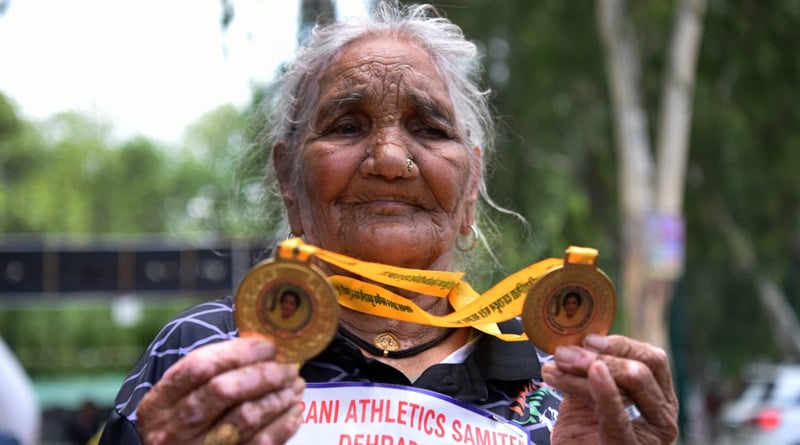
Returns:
<point x="382" y="103"/>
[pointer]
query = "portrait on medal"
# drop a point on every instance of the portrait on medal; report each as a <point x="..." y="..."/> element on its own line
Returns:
<point x="285" y="309"/>
<point x="570" y="309"/>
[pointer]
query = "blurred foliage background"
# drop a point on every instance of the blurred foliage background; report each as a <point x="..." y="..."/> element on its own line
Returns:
<point x="555" y="165"/>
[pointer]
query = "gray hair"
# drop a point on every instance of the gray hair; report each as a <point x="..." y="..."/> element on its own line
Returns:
<point x="293" y="98"/>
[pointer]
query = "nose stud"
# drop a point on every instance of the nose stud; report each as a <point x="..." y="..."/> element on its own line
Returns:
<point x="409" y="164"/>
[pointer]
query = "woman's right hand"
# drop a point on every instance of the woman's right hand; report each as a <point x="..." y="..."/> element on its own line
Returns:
<point x="224" y="393"/>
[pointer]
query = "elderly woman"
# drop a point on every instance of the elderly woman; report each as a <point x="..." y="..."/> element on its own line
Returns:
<point x="379" y="135"/>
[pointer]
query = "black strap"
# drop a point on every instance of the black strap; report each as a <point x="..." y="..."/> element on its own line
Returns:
<point x="372" y="349"/>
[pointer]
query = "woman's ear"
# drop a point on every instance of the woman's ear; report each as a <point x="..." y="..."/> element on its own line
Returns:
<point x="473" y="191"/>
<point x="284" y="169"/>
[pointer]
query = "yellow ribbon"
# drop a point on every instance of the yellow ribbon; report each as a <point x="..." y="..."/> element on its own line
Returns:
<point x="502" y="302"/>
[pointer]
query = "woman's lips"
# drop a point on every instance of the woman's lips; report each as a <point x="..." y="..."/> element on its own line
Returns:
<point x="387" y="207"/>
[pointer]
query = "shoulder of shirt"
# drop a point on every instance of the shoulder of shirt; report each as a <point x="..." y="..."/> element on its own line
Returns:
<point x="544" y="357"/>
<point x="202" y="324"/>
<point x="196" y="326"/>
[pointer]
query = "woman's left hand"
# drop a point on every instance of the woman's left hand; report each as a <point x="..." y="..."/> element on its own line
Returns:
<point x="604" y="377"/>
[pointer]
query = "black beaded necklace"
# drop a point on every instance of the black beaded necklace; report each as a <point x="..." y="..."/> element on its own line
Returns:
<point x="374" y="350"/>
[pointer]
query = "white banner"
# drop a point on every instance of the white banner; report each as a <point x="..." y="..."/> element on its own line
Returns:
<point x="375" y="414"/>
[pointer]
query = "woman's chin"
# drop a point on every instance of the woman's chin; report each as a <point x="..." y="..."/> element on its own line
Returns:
<point x="405" y="248"/>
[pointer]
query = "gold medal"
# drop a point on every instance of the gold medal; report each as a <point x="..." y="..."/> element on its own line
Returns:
<point x="291" y="302"/>
<point x="569" y="301"/>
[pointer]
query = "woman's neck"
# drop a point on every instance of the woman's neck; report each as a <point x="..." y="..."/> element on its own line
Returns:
<point x="371" y="328"/>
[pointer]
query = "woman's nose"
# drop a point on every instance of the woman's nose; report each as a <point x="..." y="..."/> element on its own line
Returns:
<point x="389" y="158"/>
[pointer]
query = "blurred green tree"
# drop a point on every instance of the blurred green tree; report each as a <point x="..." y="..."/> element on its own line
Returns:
<point x="556" y="164"/>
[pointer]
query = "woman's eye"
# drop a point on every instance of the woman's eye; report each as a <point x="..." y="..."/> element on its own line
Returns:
<point x="432" y="133"/>
<point x="348" y="128"/>
<point x="430" y="128"/>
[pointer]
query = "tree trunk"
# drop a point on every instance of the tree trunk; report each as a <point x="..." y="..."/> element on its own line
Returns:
<point x="676" y="106"/>
<point x="633" y="150"/>
<point x="667" y="243"/>
<point x="652" y="230"/>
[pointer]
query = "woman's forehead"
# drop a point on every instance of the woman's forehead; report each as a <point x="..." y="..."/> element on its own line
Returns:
<point x="384" y="61"/>
<point x="384" y="68"/>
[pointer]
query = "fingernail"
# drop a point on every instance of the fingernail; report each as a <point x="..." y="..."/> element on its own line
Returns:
<point x="297" y="410"/>
<point x="566" y="354"/>
<point x="597" y="342"/>
<point x="552" y="369"/>
<point x="299" y="386"/>
<point x="261" y="346"/>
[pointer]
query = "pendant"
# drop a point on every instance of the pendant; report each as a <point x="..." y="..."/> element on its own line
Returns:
<point x="291" y="302"/>
<point x="387" y="341"/>
<point x="569" y="301"/>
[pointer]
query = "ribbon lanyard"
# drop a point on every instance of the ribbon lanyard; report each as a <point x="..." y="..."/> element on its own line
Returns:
<point x="502" y="302"/>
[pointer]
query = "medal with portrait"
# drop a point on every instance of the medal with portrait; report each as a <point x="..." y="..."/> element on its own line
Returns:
<point x="292" y="303"/>
<point x="568" y="302"/>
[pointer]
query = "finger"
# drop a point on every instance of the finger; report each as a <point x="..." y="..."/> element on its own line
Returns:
<point x="157" y="410"/>
<point x="574" y="359"/>
<point x="282" y="429"/>
<point x="615" y="426"/>
<point x="638" y="381"/>
<point x="577" y="360"/>
<point x="199" y="409"/>
<point x="252" y="416"/>
<point x="567" y="384"/>
<point x="203" y="363"/>
<point x="573" y="364"/>
<point x="635" y="378"/>
<point x="654" y="357"/>
<point x="574" y="386"/>
<point x="657" y="362"/>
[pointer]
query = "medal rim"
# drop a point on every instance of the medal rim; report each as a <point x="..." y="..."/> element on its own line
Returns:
<point x="587" y="277"/>
<point x="320" y="328"/>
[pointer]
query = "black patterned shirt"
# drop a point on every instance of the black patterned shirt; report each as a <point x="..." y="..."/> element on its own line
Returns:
<point x="500" y="377"/>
